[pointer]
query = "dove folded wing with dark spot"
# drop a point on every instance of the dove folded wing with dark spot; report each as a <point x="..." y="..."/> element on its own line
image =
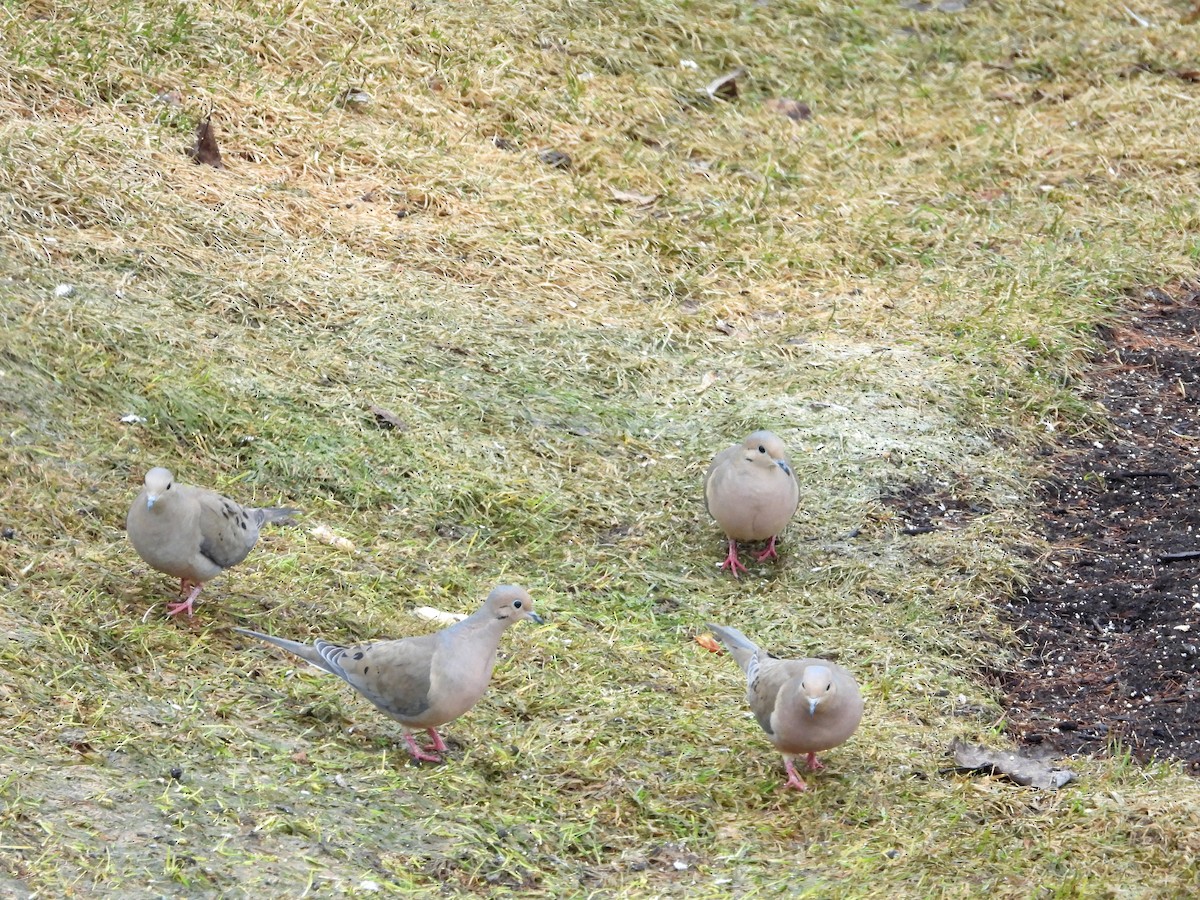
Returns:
<point x="228" y="530"/>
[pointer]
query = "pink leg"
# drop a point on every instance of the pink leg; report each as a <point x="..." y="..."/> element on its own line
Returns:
<point x="731" y="561"/>
<point x="813" y="763"/>
<point x="794" y="780"/>
<point x="174" y="609"/>
<point x="417" y="752"/>
<point x="438" y="744"/>
<point x="769" y="553"/>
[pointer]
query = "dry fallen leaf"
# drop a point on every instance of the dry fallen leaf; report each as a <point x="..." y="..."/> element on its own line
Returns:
<point x="323" y="534"/>
<point x="708" y="642"/>
<point x="205" y="150"/>
<point x="725" y="87"/>
<point x="795" y="110"/>
<point x="707" y="381"/>
<point x="556" y="159"/>
<point x="429" y="614"/>
<point x="388" y="418"/>
<point x="632" y="197"/>
<point x="354" y="98"/>
<point x="1024" y="770"/>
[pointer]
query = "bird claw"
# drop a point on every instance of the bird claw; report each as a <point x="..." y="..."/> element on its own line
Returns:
<point x="813" y="763"/>
<point x="174" y="609"/>
<point x="769" y="553"/>
<point x="732" y="563"/>
<point x="418" y="754"/>
<point x="794" y="779"/>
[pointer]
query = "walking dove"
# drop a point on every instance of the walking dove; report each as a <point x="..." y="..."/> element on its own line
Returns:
<point x="425" y="681"/>
<point x="804" y="705"/>
<point x="192" y="533"/>
<point x="751" y="491"/>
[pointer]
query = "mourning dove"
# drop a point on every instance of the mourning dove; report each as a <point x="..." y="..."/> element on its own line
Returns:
<point x="425" y="681"/>
<point x="804" y="705"/>
<point x="192" y="533"/>
<point x="751" y="491"/>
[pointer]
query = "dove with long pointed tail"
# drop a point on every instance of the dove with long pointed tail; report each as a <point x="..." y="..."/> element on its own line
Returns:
<point x="426" y="681"/>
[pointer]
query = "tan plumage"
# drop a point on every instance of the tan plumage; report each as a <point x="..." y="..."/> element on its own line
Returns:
<point x="805" y="706"/>
<point x="751" y="491"/>
<point x="192" y="533"/>
<point x="425" y="681"/>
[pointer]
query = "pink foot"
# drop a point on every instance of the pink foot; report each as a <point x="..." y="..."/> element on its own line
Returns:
<point x="174" y="609"/>
<point x="438" y="744"/>
<point x="731" y="561"/>
<point x="417" y="752"/>
<point x="794" y="780"/>
<point x="813" y="763"/>
<point x="769" y="553"/>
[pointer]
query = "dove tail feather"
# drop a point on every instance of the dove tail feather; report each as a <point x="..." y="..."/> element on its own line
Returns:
<point x="304" y="651"/>
<point x="740" y="647"/>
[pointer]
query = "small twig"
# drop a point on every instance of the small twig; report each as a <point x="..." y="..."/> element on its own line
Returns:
<point x="1145" y="23"/>
<point x="1178" y="557"/>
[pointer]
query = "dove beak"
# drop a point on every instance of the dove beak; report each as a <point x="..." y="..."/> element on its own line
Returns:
<point x="537" y="618"/>
<point x="784" y="466"/>
<point x="150" y="498"/>
<point x="812" y="705"/>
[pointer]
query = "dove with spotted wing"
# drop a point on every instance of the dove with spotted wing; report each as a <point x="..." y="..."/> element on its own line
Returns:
<point x="192" y="533"/>
<point x="424" y="681"/>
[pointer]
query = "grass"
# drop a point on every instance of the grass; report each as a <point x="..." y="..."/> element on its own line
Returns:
<point x="905" y="287"/>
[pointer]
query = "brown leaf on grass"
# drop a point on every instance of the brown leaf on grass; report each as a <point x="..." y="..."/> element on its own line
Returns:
<point x="708" y="642"/>
<point x="1192" y="75"/>
<point x="354" y="98"/>
<point x="796" y="110"/>
<point x="387" y="418"/>
<point x="632" y="197"/>
<point x="1192" y="16"/>
<point x="555" y="159"/>
<point x="1024" y="770"/>
<point x="725" y="87"/>
<point x="205" y="150"/>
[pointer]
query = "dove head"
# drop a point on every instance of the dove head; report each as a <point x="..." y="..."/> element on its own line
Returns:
<point x="511" y="604"/>
<point x="816" y="686"/>
<point x="158" y="482"/>
<point x="765" y="449"/>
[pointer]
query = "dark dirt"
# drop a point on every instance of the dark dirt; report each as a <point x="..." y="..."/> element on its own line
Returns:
<point x="1112" y="621"/>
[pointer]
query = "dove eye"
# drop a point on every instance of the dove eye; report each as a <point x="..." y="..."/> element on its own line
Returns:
<point x="516" y="604"/>
<point x="762" y="449"/>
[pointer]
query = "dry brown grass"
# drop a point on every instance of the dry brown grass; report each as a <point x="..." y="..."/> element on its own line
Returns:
<point x="891" y="285"/>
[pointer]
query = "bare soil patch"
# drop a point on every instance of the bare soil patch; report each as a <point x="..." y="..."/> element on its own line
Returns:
<point x="1112" y="621"/>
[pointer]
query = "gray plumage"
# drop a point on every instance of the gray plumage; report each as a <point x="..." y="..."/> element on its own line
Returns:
<point x="805" y="706"/>
<point x="751" y="492"/>
<point x="193" y="533"/>
<point x="425" y="681"/>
